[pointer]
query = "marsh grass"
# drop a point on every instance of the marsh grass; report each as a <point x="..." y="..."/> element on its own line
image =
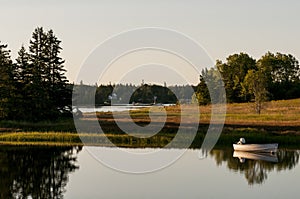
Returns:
<point x="73" y="139"/>
<point x="40" y="137"/>
<point x="123" y="140"/>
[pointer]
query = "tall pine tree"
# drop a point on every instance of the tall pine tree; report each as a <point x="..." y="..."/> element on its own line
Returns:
<point x="23" y="84"/>
<point x="6" y="82"/>
<point x="49" y="86"/>
<point x="37" y="90"/>
<point x="58" y="89"/>
<point x="35" y="87"/>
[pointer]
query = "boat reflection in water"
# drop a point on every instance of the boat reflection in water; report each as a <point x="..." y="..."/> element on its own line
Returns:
<point x="256" y="166"/>
<point x="268" y="157"/>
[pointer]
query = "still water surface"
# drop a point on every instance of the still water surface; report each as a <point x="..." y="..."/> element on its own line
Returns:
<point x="116" y="108"/>
<point x="71" y="172"/>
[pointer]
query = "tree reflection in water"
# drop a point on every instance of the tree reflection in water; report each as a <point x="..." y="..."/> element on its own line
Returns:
<point x="35" y="172"/>
<point x="256" y="171"/>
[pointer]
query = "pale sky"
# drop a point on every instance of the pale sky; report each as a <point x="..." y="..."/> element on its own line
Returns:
<point x="221" y="27"/>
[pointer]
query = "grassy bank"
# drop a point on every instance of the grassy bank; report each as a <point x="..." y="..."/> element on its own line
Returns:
<point x="69" y="139"/>
<point x="160" y="140"/>
<point x="66" y="125"/>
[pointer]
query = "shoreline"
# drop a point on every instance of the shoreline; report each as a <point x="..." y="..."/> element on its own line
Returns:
<point x="279" y="122"/>
<point x="160" y="140"/>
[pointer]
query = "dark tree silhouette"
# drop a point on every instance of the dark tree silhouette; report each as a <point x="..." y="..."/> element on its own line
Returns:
<point x="36" y="172"/>
<point x="6" y="82"/>
<point x="35" y="87"/>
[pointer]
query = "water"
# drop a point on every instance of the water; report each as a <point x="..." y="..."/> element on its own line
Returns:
<point x="115" y="108"/>
<point x="68" y="172"/>
<point x="109" y="108"/>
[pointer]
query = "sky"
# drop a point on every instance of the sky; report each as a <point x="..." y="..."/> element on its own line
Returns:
<point x="221" y="27"/>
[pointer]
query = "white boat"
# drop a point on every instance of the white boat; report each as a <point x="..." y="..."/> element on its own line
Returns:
<point x="256" y="147"/>
<point x="242" y="155"/>
<point x="242" y="146"/>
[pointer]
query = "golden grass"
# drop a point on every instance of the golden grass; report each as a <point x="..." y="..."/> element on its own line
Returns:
<point x="274" y="113"/>
<point x="34" y="143"/>
<point x="48" y="138"/>
<point x="74" y="139"/>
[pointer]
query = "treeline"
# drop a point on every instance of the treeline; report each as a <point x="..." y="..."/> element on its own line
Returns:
<point x="133" y="94"/>
<point x="34" y="86"/>
<point x="272" y="77"/>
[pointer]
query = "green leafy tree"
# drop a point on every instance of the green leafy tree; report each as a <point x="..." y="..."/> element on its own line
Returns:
<point x="255" y="84"/>
<point x="282" y="74"/>
<point x="202" y="93"/>
<point x="209" y="90"/>
<point x="233" y="73"/>
<point x="102" y="94"/>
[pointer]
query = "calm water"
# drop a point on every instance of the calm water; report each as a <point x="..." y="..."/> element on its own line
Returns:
<point x="71" y="172"/>
<point x="114" y="108"/>
<point x="108" y="108"/>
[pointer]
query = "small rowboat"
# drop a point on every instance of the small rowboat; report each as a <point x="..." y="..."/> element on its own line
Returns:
<point x="256" y="147"/>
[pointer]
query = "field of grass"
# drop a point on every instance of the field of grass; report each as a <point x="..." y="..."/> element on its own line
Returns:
<point x="280" y="116"/>
<point x="274" y="113"/>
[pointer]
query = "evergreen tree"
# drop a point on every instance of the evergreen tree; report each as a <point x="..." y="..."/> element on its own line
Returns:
<point x="42" y="83"/>
<point x="49" y="88"/>
<point x="37" y="90"/>
<point x="35" y="87"/>
<point x="24" y="79"/>
<point x="6" y="82"/>
<point x="56" y="81"/>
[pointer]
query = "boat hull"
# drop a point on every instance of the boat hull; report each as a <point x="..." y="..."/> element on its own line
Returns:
<point x="256" y="147"/>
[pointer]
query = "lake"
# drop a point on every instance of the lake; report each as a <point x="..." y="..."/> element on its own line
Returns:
<point x="72" y="172"/>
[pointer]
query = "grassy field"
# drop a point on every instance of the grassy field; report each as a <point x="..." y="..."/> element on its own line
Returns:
<point x="274" y="113"/>
<point x="277" y="116"/>
<point x="278" y="122"/>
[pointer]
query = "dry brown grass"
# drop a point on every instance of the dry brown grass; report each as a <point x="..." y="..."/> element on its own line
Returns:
<point x="274" y="113"/>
